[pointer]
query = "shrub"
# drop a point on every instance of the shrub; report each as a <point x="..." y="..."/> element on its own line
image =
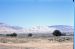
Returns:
<point x="57" y="33"/>
<point x="30" y="35"/>
<point x="12" y="35"/>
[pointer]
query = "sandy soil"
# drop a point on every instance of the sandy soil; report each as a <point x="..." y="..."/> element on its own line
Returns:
<point x="34" y="43"/>
<point x="38" y="45"/>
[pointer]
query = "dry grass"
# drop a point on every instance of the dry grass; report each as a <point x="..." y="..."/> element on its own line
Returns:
<point x="36" y="43"/>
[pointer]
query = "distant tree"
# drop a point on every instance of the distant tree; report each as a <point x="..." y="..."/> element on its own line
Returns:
<point x="12" y="35"/>
<point x="57" y="33"/>
<point x="7" y="34"/>
<point x="30" y="35"/>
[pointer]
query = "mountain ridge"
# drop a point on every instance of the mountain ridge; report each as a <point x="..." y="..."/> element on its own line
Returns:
<point x="5" y="28"/>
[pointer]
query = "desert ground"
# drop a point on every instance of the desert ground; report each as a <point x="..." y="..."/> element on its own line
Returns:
<point x="36" y="43"/>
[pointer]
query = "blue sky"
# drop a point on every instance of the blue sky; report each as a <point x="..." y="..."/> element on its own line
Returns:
<point x="28" y="13"/>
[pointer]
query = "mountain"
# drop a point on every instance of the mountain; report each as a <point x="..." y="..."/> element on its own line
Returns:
<point x="69" y="30"/>
<point x="40" y="29"/>
<point x="49" y="29"/>
<point x="63" y="28"/>
<point x="5" y="28"/>
<point x="8" y="26"/>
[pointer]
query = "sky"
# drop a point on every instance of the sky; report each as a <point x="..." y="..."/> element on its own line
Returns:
<point x="28" y="13"/>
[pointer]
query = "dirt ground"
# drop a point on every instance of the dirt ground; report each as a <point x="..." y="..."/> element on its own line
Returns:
<point x="34" y="44"/>
<point x="37" y="46"/>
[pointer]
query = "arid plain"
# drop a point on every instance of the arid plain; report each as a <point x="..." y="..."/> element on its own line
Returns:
<point x="36" y="43"/>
